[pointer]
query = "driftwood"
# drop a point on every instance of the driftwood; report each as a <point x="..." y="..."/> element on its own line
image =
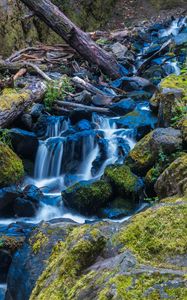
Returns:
<point x="80" y="106"/>
<point x="79" y="82"/>
<point x="74" y="36"/>
<point x="33" y="93"/>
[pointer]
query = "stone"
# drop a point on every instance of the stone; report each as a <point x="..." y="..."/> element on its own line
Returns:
<point x="123" y="107"/>
<point x="174" y="179"/>
<point x="87" y="197"/>
<point x="11" y="170"/>
<point x="134" y="83"/>
<point x="37" y="110"/>
<point x="7" y="198"/>
<point x="25" y="143"/>
<point x="119" y="50"/>
<point x="25" y="208"/>
<point x="147" y="150"/>
<point x="26" y="119"/>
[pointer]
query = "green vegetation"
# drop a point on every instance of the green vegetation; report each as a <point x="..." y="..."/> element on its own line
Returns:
<point x="10" y="96"/>
<point x="39" y="240"/>
<point x="57" y="90"/>
<point x="156" y="234"/>
<point x="11" y="170"/>
<point x="5" y="137"/>
<point x="10" y="243"/>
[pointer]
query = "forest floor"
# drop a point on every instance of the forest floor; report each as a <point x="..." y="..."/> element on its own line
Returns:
<point x="137" y="12"/>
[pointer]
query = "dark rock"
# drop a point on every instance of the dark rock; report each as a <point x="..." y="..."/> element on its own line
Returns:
<point x="102" y="100"/>
<point x="25" y="143"/>
<point x="123" y="107"/>
<point x="37" y="110"/>
<point x="26" y="119"/>
<point x="84" y="97"/>
<point x="7" y="198"/>
<point x="5" y="261"/>
<point x="130" y="84"/>
<point x="77" y="115"/>
<point x="119" y="50"/>
<point x="31" y="192"/>
<point x="24" y="208"/>
<point x="83" y="125"/>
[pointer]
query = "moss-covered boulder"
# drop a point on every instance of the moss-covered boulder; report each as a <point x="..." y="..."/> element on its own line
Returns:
<point x="88" y="197"/>
<point x="11" y="170"/>
<point x="10" y="97"/>
<point x="124" y="183"/>
<point x="174" y="179"/>
<point x="147" y="150"/>
<point x="141" y="259"/>
<point x="171" y="101"/>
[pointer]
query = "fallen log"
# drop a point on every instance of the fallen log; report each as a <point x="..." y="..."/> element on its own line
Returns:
<point x="74" y="36"/>
<point x="79" y="82"/>
<point x="14" y="102"/>
<point x="81" y="106"/>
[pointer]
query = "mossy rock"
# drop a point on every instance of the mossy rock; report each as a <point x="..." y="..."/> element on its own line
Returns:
<point x="125" y="184"/>
<point x="146" y="152"/>
<point x="171" y="100"/>
<point x="88" y="197"/>
<point x="173" y="180"/>
<point x="166" y="4"/>
<point x="12" y="169"/>
<point x="68" y="259"/>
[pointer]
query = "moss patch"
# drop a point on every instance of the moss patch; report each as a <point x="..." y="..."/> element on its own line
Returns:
<point x="10" y="97"/>
<point x="157" y="234"/>
<point x="11" y="170"/>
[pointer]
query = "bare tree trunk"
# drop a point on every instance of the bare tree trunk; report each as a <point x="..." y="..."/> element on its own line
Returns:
<point x="74" y="36"/>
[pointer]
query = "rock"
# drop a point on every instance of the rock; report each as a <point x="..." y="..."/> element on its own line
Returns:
<point x="5" y="261"/>
<point x="184" y="130"/>
<point x="123" y="107"/>
<point x="29" y="261"/>
<point x="171" y="100"/>
<point x="102" y="100"/>
<point x="174" y="179"/>
<point x="180" y="39"/>
<point x="130" y="84"/>
<point x="7" y="198"/>
<point x="33" y="193"/>
<point x="84" y="97"/>
<point x="83" y="125"/>
<point x="25" y="143"/>
<point x="11" y="170"/>
<point x="77" y="115"/>
<point x="26" y="119"/>
<point x="146" y="151"/>
<point x="24" y="208"/>
<point x="124" y="183"/>
<point x="87" y="197"/>
<point x="140" y="121"/>
<point x="119" y="50"/>
<point x="102" y="260"/>
<point x="37" y="110"/>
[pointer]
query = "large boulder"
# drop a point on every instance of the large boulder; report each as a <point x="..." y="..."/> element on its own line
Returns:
<point x="147" y="150"/>
<point x="174" y="179"/>
<point x="11" y="170"/>
<point x="88" y="197"/>
<point x="7" y="197"/>
<point x="139" y="259"/>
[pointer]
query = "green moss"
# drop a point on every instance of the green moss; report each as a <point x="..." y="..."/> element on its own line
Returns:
<point x="142" y="157"/>
<point x="67" y="261"/>
<point x="9" y="96"/>
<point x="143" y="286"/>
<point x="38" y="241"/>
<point x="88" y="197"/>
<point x="11" y="170"/>
<point x="166" y="4"/>
<point x="122" y="179"/>
<point x="156" y="234"/>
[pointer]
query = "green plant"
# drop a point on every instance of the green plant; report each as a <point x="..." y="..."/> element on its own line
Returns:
<point x="152" y="200"/>
<point x="57" y="89"/>
<point x="180" y="112"/>
<point x="5" y="137"/>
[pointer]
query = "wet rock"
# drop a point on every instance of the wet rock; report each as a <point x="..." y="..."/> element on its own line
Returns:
<point x="119" y="50"/>
<point x="102" y="100"/>
<point x="140" y="121"/>
<point x="25" y="208"/>
<point x="130" y="84"/>
<point x="174" y="179"/>
<point x="77" y="115"/>
<point x="123" y="107"/>
<point x="7" y="198"/>
<point x="37" y="110"/>
<point x="36" y="250"/>
<point x="87" y="197"/>
<point x="11" y="170"/>
<point x="180" y="39"/>
<point x="5" y="261"/>
<point x="83" y="125"/>
<point x="25" y="143"/>
<point x="146" y="151"/>
<point x="84" y="97"/>
<point x="31" y="192"/>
